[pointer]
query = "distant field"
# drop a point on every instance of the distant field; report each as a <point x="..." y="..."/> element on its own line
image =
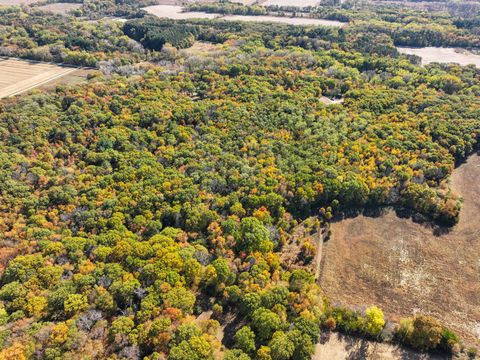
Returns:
<point x="60" y="8"/>
<point x="18" y="76"/>
<point x="443" y="55"/>
<point x="17" y="2"/>
<point x="285" y="20"/>
<point x="176" y="12"/>
<point x="301" y="3"/>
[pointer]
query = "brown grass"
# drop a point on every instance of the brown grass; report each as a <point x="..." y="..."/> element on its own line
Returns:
<point x="405" y="267"/>
<point x="60" y="8"/>
<point x="17" y="2"/>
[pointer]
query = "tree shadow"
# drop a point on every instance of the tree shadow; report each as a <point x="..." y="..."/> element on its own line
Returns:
<point x="462" y="160"/>
<point x="437" y="228"/>
<point x="358" y="348"/>
<point x="204" y="302"/>
<point x="232" y="322"/>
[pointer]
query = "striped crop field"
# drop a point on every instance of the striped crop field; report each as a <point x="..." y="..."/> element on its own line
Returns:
<point x="18" y="76"/>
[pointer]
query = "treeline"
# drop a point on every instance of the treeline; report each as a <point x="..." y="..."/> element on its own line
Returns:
<point x="419" y="35"/>
<point x="153" y="34"/>
<point x="327" y="12"/>
<point x="97" y="9"/>
<point x="227" y="8"/>
<point x="29" y="33"/>
<point x="419" y="332"/>
<point x="407" y="27"/>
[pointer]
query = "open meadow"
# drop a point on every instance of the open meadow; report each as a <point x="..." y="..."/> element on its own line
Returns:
<point x="60" y="8"/>
<point x="17" y="2"/>
<point x="407" y="267"/>
<point x="296" y="3"/>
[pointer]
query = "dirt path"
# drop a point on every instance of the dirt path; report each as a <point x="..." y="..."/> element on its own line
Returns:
<point x="403" y="267"/>
<point x="320" y="237"/>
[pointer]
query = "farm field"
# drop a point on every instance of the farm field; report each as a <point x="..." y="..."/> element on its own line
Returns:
<point x="176" y="12"/>
<point x="18" y="76"/>
<point x="443" y="55"/>
<point x="406" y="267"/>
<point x="285" y="20"/>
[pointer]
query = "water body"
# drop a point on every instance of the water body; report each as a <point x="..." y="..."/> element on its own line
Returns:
<point x="442" y="55"/>
<point x="176" y="13"/>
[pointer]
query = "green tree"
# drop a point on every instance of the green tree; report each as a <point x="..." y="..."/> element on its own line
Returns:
<point x="186" y="331"/>
<point x="75" y="303"/>
<point x="245" y="340"/>
<point x="300" y="278"/>
<point x="265" y="323"/>
<point x="123" y="325"/>
<point x="425" y="333"/>
<point x="196" y="348"/>
<point x="282" y="348"/>
<point x="254" y="236"/>
<point x="236" y="354"/>
<point x="374" y="321"/>
<point x="180" y="298"/>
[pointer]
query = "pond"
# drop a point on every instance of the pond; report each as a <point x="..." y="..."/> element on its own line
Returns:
<point x="442" y="55"/>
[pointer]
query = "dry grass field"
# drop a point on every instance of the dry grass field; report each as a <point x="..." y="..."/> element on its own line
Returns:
<point x="18" y="76"/>
<point x="302" y="3"/>
<point x="17" y="2"/>
<point x="407" y="267"/>
<point x="60" y="8"/>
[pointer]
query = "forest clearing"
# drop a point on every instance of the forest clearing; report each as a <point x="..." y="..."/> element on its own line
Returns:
<point x="60" y="8"/>
<point x="406" y="267"/>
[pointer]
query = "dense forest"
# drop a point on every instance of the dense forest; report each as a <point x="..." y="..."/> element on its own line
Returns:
<point x="143" y="214"/>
